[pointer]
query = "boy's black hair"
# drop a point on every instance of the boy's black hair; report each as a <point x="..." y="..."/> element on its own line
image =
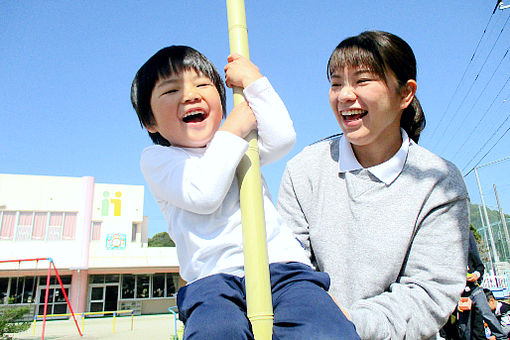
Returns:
<point x="165" y="63"/>
<point x="488" y="294"/>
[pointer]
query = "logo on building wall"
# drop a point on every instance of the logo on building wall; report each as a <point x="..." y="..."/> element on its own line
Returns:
<point x="108" y="204"/>
<point x="115" y="241"/>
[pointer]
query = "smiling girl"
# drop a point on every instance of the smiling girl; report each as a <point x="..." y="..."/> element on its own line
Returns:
<point x="384" y="217"/>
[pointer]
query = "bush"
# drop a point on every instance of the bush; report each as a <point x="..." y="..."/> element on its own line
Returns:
<point x="10" y="321"/>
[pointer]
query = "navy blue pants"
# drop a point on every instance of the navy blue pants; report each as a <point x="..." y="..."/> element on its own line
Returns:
<point x="215" y="307"/>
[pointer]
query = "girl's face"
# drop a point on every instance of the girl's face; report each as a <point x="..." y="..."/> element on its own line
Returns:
<point x="368" y="109"/>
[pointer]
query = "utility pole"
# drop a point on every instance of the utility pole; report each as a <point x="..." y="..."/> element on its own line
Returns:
<point x="487" y="222"/>
<point x="503" y="220"/>
<point x="502" y="6"/>
<point x="486" y="239"/>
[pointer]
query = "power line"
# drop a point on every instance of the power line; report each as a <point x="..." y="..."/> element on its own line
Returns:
<point x="483" y="116"/>
<point x="476" y="78"/>
<point x="464" y="74"/>
<point x="486" y="144"/>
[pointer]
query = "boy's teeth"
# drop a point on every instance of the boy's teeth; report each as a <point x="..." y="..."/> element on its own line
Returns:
<point x="194" y="117"/>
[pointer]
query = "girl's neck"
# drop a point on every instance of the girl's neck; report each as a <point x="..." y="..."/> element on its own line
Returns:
<point x="377" y="153"/>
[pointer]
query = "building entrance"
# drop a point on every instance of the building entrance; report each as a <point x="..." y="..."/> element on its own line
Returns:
<point x="103" y="298"/>
<point x="56" y="301"/>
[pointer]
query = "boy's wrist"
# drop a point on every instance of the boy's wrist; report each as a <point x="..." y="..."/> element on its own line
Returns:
<point x="251" y="79"/>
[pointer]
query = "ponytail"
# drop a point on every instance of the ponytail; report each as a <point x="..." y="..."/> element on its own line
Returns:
<point x="413" y="120"/>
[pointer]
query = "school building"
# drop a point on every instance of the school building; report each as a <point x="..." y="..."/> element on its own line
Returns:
<point x="96" y="235"/>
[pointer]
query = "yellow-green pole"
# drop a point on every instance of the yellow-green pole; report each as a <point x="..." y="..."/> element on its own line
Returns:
<point x="256" y="266"/>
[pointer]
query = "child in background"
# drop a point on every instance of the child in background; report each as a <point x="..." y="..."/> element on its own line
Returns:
<point x="500" y="309"/>
<point x="180" y="99"/>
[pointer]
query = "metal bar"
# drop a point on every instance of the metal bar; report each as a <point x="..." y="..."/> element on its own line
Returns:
<point x="258" y="286"/>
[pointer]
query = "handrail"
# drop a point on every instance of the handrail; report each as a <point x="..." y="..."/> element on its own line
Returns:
<point x="115" y="313"/>
<point x="171" y="310"/>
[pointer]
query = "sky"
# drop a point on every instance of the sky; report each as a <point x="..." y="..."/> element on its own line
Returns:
<point x="67" y="66"/>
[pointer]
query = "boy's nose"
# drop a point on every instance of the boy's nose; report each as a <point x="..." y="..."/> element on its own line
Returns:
<point x="190" y="95"/>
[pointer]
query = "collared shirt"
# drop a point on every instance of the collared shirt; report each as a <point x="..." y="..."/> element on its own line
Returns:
<point x="386" y="172"/>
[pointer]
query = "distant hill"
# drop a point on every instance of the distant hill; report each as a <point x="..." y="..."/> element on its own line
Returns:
<point x="475" y="216"/>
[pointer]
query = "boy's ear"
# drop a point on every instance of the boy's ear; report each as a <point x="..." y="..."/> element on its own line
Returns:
<point x="151" y="128"/>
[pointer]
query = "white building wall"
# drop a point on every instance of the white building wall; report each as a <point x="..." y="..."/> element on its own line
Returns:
<point x="42" y="193"/>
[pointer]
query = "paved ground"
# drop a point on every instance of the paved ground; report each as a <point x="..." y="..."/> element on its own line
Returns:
<point x="153" y="327"/>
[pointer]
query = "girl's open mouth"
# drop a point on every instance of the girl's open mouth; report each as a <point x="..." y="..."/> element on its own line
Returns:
<point x="355" y="114"/>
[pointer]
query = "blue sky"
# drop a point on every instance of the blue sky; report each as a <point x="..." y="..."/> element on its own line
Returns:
<point x="67" y="68"/>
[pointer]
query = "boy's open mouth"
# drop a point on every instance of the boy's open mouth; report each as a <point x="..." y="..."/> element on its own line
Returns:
<point x="354" y="114"/>
<point x="194" y="117"/>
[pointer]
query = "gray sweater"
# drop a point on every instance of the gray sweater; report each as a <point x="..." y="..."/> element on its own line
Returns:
<point x="396" y="253"/>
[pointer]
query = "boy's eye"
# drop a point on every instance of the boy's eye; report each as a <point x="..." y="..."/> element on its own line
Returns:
<point x="204" y="84"/>
<point x="169" y="91"/>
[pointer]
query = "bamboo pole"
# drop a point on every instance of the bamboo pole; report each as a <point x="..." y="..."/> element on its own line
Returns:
<point x="258" y="286"/>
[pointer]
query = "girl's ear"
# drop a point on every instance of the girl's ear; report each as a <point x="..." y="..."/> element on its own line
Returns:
<point x="408" y="92"/>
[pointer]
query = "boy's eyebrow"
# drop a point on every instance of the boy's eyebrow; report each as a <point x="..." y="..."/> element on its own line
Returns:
<point x="166" y="81"/>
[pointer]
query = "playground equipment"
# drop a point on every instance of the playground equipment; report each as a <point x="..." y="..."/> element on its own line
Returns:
<point x="83" y="315"/>
<point x="51" y="263"/>
<point x="258" y="286"/>
<point x="178" y="332"/>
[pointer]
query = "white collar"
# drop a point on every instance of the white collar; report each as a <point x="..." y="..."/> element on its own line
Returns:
<point x="386" y="172"/>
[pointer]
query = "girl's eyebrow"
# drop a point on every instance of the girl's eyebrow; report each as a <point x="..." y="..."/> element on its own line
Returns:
<point x="362" y="71"/>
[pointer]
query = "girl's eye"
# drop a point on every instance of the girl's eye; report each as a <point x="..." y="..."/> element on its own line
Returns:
<point x="204" y="84"/>
<point x="364" y="80"/>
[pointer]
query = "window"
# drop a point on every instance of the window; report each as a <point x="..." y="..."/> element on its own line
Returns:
<point x="55" y="226"/>
<point x="96" y="231"/>
<point x="4" y="284"/>
<point x="25" y="222"/>
<point x="134" y="228"/>
<point x="37" y="225"/>
<point x="149" y="286"/>
<point x="69" y="225"/>
<point x="142" y="286"/>
<point x="158" y="285"/>
<point x="22" y="290"/>
<point x="171" y="283"/>
<point x="128" y="286"/>
<point x="113" y="278"/>
<point x="40" y="223"/>
<point x="66" y="279"/>
<point x="8" y="224"/>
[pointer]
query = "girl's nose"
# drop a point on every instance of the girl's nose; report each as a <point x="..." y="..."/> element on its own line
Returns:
<point x="346" y="94"/>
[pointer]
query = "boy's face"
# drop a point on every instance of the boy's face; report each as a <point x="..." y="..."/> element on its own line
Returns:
<point x="493" y="304"/>
<point x="187" y="109"/>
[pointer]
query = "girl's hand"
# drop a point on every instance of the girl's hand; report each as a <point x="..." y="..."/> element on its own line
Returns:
<point x="240" y="72"/>
<point x="240" y="121"/>
<point x="343" y="310"/>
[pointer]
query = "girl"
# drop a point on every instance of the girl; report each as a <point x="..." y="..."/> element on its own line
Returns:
<point x="387" y="219"/>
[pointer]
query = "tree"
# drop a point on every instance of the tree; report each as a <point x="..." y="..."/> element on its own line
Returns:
<point x="161" y="239"/>
<point x="9" y="321"/>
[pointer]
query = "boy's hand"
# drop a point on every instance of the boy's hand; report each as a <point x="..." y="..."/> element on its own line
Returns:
<point x="240" y="72"/>
<point x="240" y="121"/>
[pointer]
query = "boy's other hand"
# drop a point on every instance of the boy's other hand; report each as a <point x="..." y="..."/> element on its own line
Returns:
<point x="240" y="72"/>
<point x="240" y="121"/>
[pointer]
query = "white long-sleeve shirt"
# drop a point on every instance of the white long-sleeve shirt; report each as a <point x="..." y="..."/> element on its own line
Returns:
<point x="198" y="193"/>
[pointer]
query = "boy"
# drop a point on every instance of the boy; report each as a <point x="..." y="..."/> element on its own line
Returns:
<point x="500" y="309"/>
<point x="180" y="99"/>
